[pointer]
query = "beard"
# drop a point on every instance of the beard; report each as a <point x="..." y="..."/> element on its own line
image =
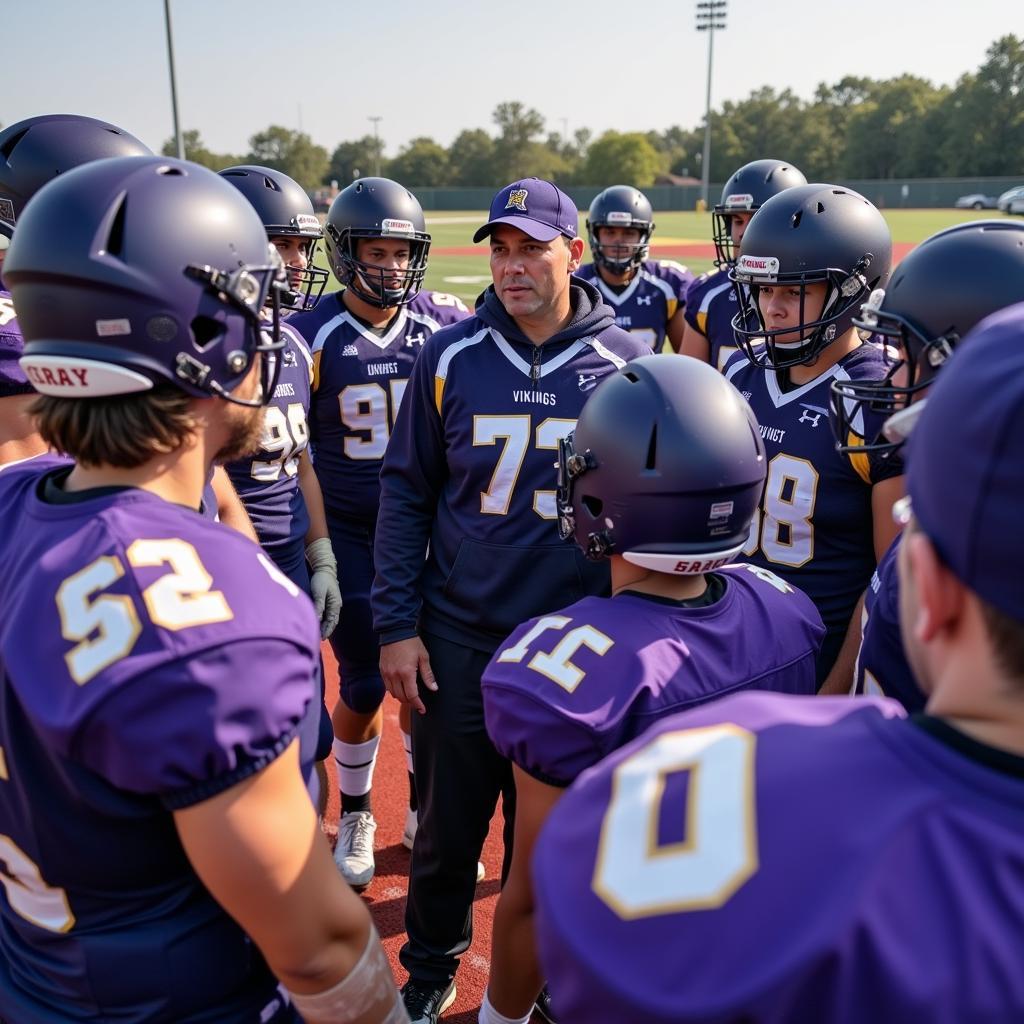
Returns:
<point x="245" y="426"/>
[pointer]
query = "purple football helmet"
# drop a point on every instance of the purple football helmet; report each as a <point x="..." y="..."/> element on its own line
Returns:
<point x="162" y="274"/>
<point x="36" y="150"/>
<point x="665" y="467"/>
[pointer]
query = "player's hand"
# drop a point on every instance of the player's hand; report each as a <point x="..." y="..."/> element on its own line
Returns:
<point x="323" y="585"/>
<point x="401" y="664"/>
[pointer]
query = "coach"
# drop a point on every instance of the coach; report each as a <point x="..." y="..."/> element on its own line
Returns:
<point x="467" y="545"/>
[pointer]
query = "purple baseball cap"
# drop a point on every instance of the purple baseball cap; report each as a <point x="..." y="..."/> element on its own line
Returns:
<point x="535" y="206"/>
<point x="965" y="462"/>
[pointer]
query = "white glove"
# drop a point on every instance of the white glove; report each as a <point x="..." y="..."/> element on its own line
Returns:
<point x="323" y="582"/>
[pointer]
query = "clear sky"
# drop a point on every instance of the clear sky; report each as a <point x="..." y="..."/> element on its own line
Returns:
<point x="434" y="67"/>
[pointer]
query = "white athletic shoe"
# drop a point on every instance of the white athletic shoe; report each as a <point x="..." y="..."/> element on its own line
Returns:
<point x="412" y="822"/>
<point x="354" y="852"/>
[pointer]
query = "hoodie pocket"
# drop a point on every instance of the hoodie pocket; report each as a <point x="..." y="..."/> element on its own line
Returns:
<point x="495" y="587"/>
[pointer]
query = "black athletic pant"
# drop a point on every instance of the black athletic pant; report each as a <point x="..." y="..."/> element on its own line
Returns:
<point x="459" y="776"/>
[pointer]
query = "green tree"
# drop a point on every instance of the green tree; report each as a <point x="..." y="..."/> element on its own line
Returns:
<point x="196" y="151"/>
<point x="355" y="159"/>
<point x="518" y="152"/>
<point x="622" y="159"/>
<point x="421" y="162"/>
<point x="291" y="152"/>
<point x="471" y="158"/>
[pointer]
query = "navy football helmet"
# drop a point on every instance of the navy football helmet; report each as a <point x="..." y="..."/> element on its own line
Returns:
<point x="806" y="235"/>
<point x="620" y="206"/>
<point x="936" y="294"/>
<point x="665" y="467"/>
<point x="36" y="150"/>
<point x="377" y="208"/>
<point x="746" y="191"/>
<point x="286" y="212"/>
<point x="162" y="274"/>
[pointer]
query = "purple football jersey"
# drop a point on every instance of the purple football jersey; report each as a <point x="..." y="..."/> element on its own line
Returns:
<point x="567" y="689"/>
<point x="710" y="307"/>
<point x="645" y="306"/>
<point x="12" y="377"/>
<point x="781" y="860"/>
<point x="882" y="667"/>
<point x="814" y="525"/>
<point x="268" y="482"/>
<point x="149" y="660"/>
<point x="358" y="383"/>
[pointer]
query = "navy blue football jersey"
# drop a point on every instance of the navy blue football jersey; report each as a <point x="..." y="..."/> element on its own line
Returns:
<point x="710" y="307"/>
<point x="645" y="306"/>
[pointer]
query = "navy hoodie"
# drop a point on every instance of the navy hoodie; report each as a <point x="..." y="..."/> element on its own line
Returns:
<point x="467" y="543"/>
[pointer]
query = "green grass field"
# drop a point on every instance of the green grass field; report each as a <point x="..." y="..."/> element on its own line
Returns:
<point x="467" y="275"/>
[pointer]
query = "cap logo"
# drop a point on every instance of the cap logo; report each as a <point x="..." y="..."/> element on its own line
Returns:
<point x="619" y="217"/>
<point x="517" y="199"/>
<point x="739" y="201"/>
<point x="758" y="266"/>
<point x="7" y="210"/>
<point x="392" y="226"/>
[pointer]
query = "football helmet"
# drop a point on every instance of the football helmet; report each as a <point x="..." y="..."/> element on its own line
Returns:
<point x="621" y="206"/>
<point x="747" y="190"/>
<point x="377" y="208"/>
<point x="162" y="274"/>
<point x="936" y="294"/>
<point x="665" y="468"/>
<point x="36" y="150"/>
<point x="809" y="234"/>
<point x="286" y="212"/>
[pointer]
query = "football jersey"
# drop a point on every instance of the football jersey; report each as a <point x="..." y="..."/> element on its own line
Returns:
<point x="472" y="468"/>
<point x="12" y="377"/>
<point x="645" y="306"/>
<point x="149" y="660"/>
<point x="882" y="667"/>
<point x="783" y="860"/>
<point x="267" y="481"/>
<point x="710" y="307"/>
<point x="567" y="689"/>
<point x="814" y="523"/>
<point x="359" y="378"/>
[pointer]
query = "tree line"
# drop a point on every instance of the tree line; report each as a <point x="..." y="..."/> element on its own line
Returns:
<point x="901" y="127"/>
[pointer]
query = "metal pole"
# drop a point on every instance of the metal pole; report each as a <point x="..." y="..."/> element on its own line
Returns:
<point x="376" y="145"/>
<point x="705" y="163"/>
<point x="178" y="142"/>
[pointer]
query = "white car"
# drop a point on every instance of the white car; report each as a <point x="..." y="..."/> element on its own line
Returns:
<point x="1011" y="195"/>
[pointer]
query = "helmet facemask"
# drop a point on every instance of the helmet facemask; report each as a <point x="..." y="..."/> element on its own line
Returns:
<point x="382" y="287"/>
<point x="637" y="252"/>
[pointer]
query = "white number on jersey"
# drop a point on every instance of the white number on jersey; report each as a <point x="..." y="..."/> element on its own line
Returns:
<point x="557" y="664"/>
<point x="782" y="526"/>
<point x="365" y="408"/>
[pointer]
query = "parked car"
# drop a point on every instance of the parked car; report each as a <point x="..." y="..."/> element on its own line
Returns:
<point x="976" y="201"/>
<point x="1016" y="204"/>
<point x="1008" y="196"/>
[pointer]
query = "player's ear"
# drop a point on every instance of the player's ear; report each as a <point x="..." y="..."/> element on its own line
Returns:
<point x="576" y="246"/>
<point x="940" y="595"/>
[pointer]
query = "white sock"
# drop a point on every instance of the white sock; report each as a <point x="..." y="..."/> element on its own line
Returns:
<point x="489" y="1015"/>
<point x="356" y="762"/>
<point x="407" y="743"/>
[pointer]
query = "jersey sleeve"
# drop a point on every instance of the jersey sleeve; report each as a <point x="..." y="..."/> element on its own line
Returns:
<point x="444" y="307"/>
<point x="691" y="302"/>
<point x="191" y="728"/>
<point x="679" y="277"/>
<point x="529" y="731"/>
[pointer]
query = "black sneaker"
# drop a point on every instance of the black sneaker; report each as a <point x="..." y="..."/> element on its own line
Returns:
<point x="542" y="1008"/>
<point x="425" y="1002"/>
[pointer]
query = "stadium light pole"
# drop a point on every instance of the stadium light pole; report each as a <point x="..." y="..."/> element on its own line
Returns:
<point x="376" y="144"/>
<point x="178" y="142"/>
<point x="710" y="16"/>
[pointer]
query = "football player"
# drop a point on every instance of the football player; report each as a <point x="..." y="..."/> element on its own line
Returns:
<point x="661" y="476"/>
<point x="647" y="295"/>
<point x="32" y="152"/>
<point x="811" y="255"/>
<point x="711" y="299"/>
<point x="778" y="860"/>
<point x="155" y="667"/>
<point x="937" y="294"/>
<point x="364" y="340"/>
<point x="467" y="543"/>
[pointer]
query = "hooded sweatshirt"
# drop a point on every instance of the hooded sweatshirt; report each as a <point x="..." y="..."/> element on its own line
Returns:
<point x="467" y="543"/>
